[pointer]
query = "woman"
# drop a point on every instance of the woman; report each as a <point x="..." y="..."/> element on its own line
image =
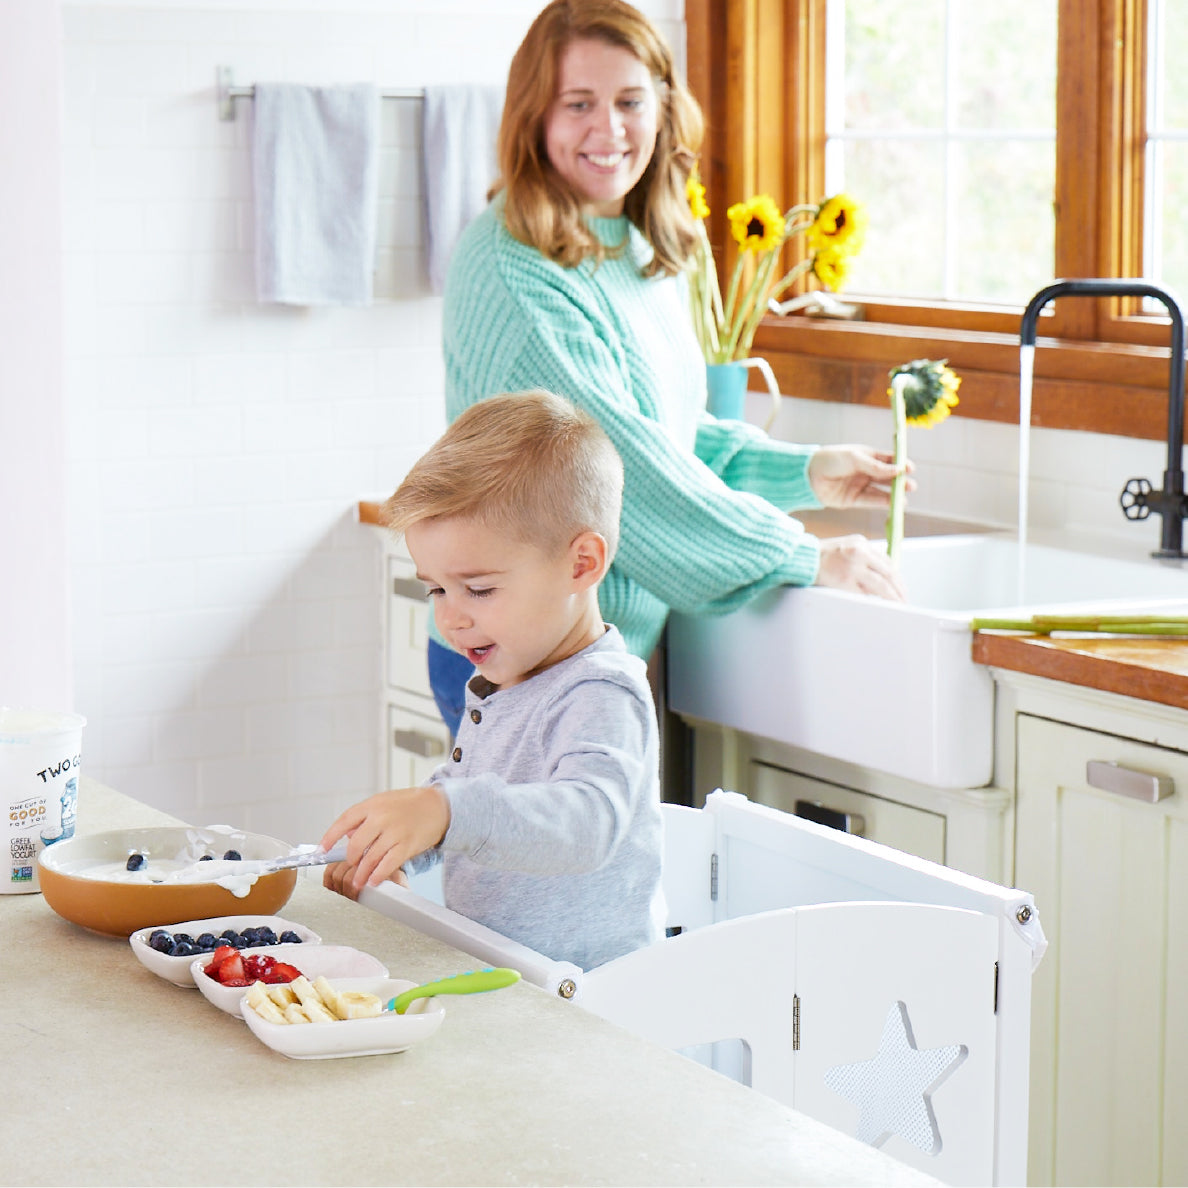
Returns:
<point x="571" y="281"/>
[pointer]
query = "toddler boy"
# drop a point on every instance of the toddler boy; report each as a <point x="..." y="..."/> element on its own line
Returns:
<point x="547" y="812"/>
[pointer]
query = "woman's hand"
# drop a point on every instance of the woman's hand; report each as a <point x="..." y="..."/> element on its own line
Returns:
<point x="853" y="476"/>
<point x="386" y="830"/>
<point x="857" y="564"/>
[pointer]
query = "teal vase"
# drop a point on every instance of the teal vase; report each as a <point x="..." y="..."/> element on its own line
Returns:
<point x="726" y="390"/>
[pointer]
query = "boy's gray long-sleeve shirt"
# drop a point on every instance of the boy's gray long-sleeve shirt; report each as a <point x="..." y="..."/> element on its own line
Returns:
<point x="555" y="836"/>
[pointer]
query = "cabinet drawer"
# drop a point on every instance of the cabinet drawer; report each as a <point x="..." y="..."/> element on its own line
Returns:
<point x="408" y="611"/>
<point x="417" y="743"/>
<point x="912" y="830"/>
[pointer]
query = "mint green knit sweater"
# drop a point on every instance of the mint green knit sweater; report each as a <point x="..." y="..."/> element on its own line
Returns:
<point x="704" y="527"/>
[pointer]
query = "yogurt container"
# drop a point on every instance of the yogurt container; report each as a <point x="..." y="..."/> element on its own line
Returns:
<point x="40" y="756"/>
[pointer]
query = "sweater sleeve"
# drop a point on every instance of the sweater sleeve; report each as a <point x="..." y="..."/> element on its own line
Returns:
<point x="688" y="537"/>
<point x="746" y="459"/>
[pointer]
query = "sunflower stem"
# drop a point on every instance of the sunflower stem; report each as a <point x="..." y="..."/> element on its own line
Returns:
<point x="895" y="510"/>
<point x="1167" y="625"/>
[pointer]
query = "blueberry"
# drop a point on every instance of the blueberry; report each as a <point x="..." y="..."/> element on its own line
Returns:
<point x="233" y="856"/>
<point x="185" y="937"/>
<point x="240" y="942"/>
<point x="230" y="935"/>
<point x="289" y="937"/>
<point x="207" y="941"/>
<point x="183" y="948"/>
<point x="136" y="862"/>
<point x="206" y="858"/>
<point x="161" y="941"/>
<point x="267" y="935"/>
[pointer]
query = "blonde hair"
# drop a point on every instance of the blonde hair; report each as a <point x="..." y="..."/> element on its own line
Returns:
<point x="528" y="464"/>
<point x="540" y="209"/>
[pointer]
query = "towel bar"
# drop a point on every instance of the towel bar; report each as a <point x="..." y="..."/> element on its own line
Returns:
<point x="227" y="92"/>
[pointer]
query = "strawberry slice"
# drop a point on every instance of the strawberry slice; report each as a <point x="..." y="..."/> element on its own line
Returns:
<point x="281" y="971"/>
<point x="258" y="965"/>
<point x="230" y="971"/>
<point x="220" y="955"/>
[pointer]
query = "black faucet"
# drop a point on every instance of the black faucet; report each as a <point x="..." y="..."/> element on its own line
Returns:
<point x="1138" y="499"/>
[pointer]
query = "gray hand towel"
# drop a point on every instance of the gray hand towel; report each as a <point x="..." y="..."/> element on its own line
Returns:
<point x="460" y="129"/>
<point x="315" y="168"/>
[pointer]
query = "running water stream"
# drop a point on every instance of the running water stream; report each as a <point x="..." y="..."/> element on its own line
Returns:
<point x="1026" y="374"/>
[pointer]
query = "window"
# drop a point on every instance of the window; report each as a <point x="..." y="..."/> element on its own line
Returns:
<point x="761" y="69"/>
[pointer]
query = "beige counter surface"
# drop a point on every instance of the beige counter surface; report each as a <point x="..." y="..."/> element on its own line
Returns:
<point x="113" y="1076"/>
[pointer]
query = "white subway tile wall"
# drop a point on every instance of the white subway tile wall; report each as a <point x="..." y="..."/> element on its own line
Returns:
<point x="226" y="605"/>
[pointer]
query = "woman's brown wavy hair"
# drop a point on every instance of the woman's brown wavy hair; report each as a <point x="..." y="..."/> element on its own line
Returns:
<point x="539" y="208"/>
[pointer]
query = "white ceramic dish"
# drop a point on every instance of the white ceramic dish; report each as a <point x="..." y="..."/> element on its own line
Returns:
<point x="378" y="1036"/>
<point x="329" y="961"/>
<point x="177" y="969"/>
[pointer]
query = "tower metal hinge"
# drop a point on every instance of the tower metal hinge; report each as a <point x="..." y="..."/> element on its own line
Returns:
<point x="713" y="876"/>
<point x="795" y="1022"/>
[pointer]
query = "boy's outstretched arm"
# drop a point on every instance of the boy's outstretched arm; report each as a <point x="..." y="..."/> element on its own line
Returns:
<point x="385" y="831"/>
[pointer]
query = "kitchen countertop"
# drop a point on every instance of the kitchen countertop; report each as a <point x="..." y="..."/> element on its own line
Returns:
<point x="115" y="1076"/>
<point x="1147" y="668"/>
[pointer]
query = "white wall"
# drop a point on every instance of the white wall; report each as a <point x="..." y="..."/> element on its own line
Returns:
<point x="35" y="668"/>
<point x="226" y="603"/>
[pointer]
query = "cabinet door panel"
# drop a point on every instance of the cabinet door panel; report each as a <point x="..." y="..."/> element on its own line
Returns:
<point x="1103" y="872"/>
<point x="912" y="830"/>
<point x="408" y="628"/>
<point x="417" y="743"/>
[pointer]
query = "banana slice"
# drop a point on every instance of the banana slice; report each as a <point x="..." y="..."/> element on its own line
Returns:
<point x="357" y="1004"/>
<point x="258" y="999"/>
<point x="295" y="1013"/>
<point x="281" y="993"/>
<point x="330" y="997"/>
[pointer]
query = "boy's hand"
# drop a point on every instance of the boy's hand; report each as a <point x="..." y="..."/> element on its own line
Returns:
<point x="385" y="831"/>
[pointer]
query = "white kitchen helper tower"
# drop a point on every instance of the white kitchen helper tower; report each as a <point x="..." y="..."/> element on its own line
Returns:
<point x="877" y="992"/>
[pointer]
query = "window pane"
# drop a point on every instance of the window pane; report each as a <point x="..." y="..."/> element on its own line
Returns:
<point x="891" y="80"/>
<point x="1005" y="64"/>
<point x="941" y="118"/>
<point x="1005" y="222"/>
<point x="902" y="181"/>
<point x="1165" y="238"/>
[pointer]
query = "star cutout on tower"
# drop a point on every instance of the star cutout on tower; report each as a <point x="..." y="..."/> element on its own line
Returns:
<point x="893" y="1090"/>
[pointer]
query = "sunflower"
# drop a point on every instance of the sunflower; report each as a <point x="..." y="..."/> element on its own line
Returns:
<point x="840" y="223"/>
<point x="757" y="224"/>
<point x="831" y="266"/>
<point x="929" y="392"/>
<point x="695" y="192"/>
<point x="922" y="392"/>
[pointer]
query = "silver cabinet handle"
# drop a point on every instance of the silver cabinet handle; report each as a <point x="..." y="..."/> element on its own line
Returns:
<point x="410" y="588"/>
<point x="417" y="743"/>
<point x="1125" y="781"/>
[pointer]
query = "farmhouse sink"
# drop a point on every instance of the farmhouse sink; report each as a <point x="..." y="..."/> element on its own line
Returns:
<point x="891" y="686"/>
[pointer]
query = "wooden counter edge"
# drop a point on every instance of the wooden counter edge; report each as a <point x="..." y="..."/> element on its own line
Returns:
<point x="1038" y="656"/>
<point x="369" y="513"/>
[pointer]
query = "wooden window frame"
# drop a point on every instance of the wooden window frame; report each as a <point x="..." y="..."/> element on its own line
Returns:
<point x="757" y="67"/>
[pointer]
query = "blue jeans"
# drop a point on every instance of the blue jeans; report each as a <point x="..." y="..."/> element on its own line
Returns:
<point x="448" y="673"/>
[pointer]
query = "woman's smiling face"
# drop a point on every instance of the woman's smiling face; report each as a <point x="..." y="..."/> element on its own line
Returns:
<point x="601" y="131"/>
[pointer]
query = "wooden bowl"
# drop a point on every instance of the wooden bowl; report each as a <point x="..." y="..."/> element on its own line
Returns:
<point x="115" y="906"/>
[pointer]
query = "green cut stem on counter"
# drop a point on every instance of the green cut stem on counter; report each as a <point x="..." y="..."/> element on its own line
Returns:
<point x="1166" y="625"/>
